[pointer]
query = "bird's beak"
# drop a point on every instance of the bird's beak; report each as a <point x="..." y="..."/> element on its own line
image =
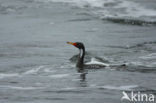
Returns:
<point x="70" y="43"/>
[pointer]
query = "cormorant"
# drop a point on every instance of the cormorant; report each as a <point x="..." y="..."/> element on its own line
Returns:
<point x="80" y="63"/>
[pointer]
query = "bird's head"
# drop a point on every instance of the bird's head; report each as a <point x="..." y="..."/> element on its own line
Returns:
<point x="78" y="45"/>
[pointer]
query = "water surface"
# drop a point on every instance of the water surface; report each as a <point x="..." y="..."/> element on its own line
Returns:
<point x="36" y="64"/>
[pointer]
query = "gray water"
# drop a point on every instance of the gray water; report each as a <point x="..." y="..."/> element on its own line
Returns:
<point x="37" y="66"/>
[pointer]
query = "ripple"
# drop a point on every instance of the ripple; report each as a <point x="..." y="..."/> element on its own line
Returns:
<point x="78" y="20"/>
<point x="125" y="87"/>
<point x="9" y="75"/>
<point x="140" y="46"/>
<point x="19" y="87"/>
<point x="149" y="56"/>
<point x="59" y="75"/>
<point x="33" y="71"/>
<point x="67" y="90"/>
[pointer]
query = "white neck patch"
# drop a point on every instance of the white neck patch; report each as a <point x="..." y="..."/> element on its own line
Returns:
<point x="81" y="53"/>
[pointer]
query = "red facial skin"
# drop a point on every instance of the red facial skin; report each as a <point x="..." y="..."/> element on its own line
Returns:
<point x="75" y="44"/>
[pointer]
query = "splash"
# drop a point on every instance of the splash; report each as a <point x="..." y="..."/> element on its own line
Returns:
<point x="95" y="61"/>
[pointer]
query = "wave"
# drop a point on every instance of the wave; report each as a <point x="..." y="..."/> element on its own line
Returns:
<point x="147" y="60"/>
<point x="130" y="20"/>
<point x="149" y="56"/>
<point x="143" y="45"/>
<point x="117" y="11"/>
<point x="20" y="87"/>
<point x="11" y="8"/>
<point x="147" y="46"/>
<point x="34" y="71"/>
<point x="2" y="75"/>
<point x="109" y="87"/>
<point x="126" y="87"/>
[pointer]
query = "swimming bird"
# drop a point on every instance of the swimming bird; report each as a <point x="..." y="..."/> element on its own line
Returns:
<point x="80" y="61"/>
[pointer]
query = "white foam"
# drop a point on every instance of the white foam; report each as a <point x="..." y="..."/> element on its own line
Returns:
<point x="48" y="70"/>
<point x="112" y="8"/>
<point x="2" y="75"/>
<point x="126" y="87"/>
<point x="80" y="3"/>
<point x="135" y="10"/>
<point x="34" y="70"/>
<point x="95" y="61"/>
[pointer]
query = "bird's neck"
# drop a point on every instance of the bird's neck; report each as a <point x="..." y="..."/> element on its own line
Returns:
<point x="81" y="58"/>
